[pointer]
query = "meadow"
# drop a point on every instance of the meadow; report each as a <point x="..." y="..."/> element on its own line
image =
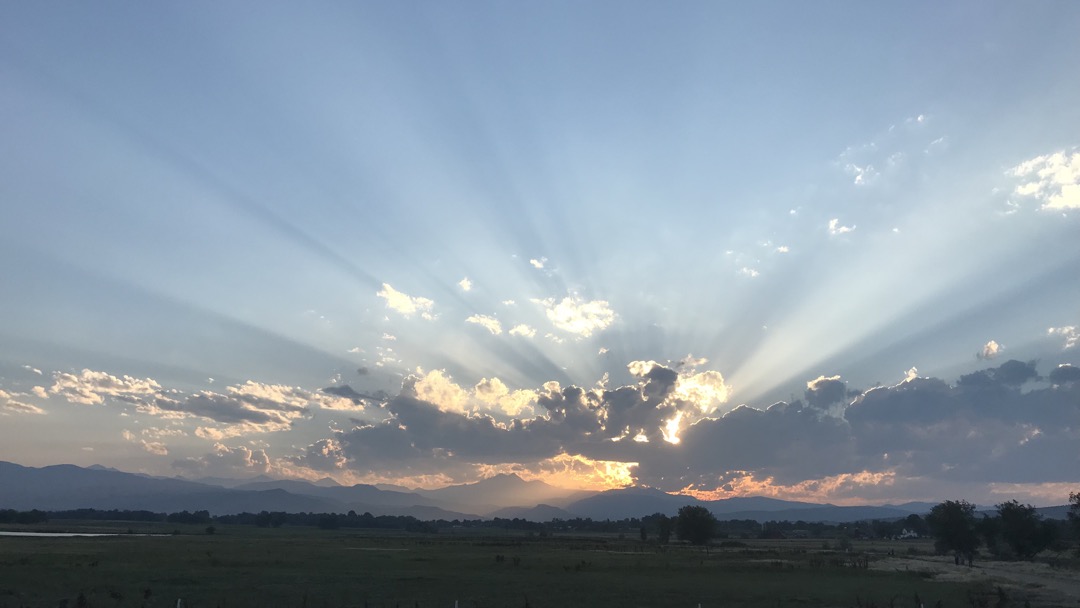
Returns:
<point x="244" y="566"/>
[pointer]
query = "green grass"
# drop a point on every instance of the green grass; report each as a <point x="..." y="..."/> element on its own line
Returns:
<point x="295" y="567"/>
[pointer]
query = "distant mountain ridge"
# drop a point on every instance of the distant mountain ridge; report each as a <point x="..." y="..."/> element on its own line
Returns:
<point x="65" y="487"/>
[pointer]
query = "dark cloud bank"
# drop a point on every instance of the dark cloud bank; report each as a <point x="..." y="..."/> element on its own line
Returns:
<point x="1004" y="424"/>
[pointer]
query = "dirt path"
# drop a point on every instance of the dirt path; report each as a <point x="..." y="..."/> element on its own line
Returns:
<point x="1039" y="584"/>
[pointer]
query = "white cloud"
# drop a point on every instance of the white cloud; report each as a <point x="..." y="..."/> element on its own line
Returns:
<point x="523" y="330"/>
<point x="836" y="229"/>
<point x="405" y="304"/>
<point x="576" y="316"/>
<point x="438" y="388"/>
<point x="748" y="272"/>
<point x="389" y="337"/>
<point x="154" y="447"/>
<point x="1053" y="179"/>
<point x="783" y="249"/>
<point x="1070" y="332"/>
<point x="271" y="395"/>
<point x="227" y="461"/>
<point x="465" y="284"/>
<point x="32" y="369"/>
<point x="10" y="405"/>
<point x="489" y="323"/>
<point x="494" y="393"/>
<point x="707" y="390"/>
<point x="538" y="264"/>
<point x="508" y="302"/>
<point x="91" y="387"/>
<point x="990" y="350"/>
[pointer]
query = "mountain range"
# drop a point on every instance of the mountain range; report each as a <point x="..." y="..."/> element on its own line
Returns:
<point x="63" y="487"/>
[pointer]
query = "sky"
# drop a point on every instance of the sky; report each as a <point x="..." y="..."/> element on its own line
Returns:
<point x="819" y="251"/>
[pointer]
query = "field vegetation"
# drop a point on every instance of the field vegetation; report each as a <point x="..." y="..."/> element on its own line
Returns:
<point x="234" y="566"/>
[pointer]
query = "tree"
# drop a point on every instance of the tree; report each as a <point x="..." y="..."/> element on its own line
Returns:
<point x="695" y="524"/>
<point x="953" y="525"/>
<point x="1021" y="529"/>
<point x="916" y="524"/>
<point x="1074" y="514"/>
<point x="663" y="528"/>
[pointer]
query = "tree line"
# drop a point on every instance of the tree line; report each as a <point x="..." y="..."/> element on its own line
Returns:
<point x="1013" y="531"/>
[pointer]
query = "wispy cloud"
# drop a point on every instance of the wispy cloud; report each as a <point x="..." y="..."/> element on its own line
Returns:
<point x="9" y="404"/>
<point x="1070" y="332"/>
<point x="156" y="448"/>
<point x="489" y="323"/>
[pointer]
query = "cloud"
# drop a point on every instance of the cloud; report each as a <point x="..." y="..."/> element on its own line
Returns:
<point x="224" y="461"/>
<point x="437" y="388"/>
<point x="252" y="408"/>
<point x="1053" y="179"/>
<point x="1064" y="374"/>
<point x="1069" y="332"/>
<point x="465" y="284"/>
<point x="783" y="249"/>
<point x="576" y="316"/>
<point x="489" y="323"/>
<point x="9" y="404"/>
<point x="154" y="447"/>
<point x="323" y="455"/>
<point x="92" y="387"/>
<point x="406" y="305"/>
<point x="748" y="272"/>
<point x="823" y="392"/>
<point x="495" y="394"/>
<point x="538" y="264"/>
<point x="522" y="330"/>
<point x="32" y="370"/>
<point x="836" y="229"/>
<point x="990" y="350"/>
<point x="668" y="429"/>
<point x="862" y="174"/>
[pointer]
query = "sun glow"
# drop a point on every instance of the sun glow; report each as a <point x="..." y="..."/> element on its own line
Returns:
<point x="671" y="429"/>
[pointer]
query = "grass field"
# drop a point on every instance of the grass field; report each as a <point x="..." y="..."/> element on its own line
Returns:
<point x="302" y="567"/>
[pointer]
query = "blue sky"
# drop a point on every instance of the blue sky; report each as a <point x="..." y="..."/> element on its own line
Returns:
<point x="213" y="211"/>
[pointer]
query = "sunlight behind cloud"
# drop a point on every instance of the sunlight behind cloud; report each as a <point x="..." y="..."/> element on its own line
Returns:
<point x="577" y="316"/>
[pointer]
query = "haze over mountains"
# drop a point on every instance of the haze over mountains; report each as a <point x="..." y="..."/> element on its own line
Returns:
<point x="62" y="487"/>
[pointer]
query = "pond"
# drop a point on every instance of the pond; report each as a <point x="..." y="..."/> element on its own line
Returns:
<point x="71" y="534"/>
